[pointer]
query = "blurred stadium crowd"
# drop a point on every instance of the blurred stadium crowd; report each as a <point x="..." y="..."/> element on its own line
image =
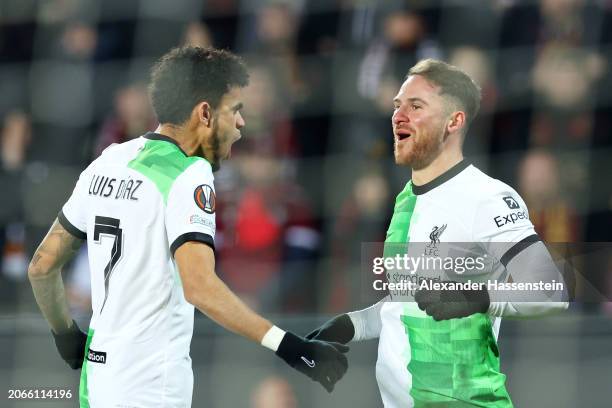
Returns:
<point x="313" y="176"/>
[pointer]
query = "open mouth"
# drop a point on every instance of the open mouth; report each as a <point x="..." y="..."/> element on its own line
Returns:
<point x="402" y="136"/>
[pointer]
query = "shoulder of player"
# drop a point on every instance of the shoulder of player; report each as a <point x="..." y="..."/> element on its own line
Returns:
<point x="198" y="172"/>
<point x="198" y="167"/>
<point x="127" y="146"/>
<point x="117" y="153"/>
<point x="195" y="183"/>
<point x="482" y="187"/>
<point x="489" y="195"/>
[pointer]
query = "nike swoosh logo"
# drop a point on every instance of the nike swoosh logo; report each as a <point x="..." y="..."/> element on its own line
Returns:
<point x="309" y="363"/>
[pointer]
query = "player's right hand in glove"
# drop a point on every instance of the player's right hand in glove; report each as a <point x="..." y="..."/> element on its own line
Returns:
<point x="322" y="361"/>
<point x="339" y="329"/>
<point x="445" y="304"/>
<point x="71" y="345"/>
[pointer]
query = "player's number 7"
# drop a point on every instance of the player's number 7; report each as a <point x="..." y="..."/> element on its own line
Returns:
<point x="109" y="226"/>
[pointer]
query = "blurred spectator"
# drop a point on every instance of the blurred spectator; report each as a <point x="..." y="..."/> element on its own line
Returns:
<point x="478" y="65"/>
<point x="79" y="40"/>
<point x="565" y="21"/>
<point x="15" y="138"/>
<point x="548" y="75"/>
<point x="61" y="84"/>
<point x="273" y="392"/>
<point x="275" y="28"/>
<point x="268" y="235"/>
<point x="563" y="76"/>
<point x="197" y="34"/>
<point x="267" y="241"/>
<point x="132" y="117"/>
<point x="569" y="23"/>
<point x="14" y="257"/>
<point x="269" y="129"/>
<point x="388" y="59"/>
<point x="403" y="41"/>
<point x="564" y="81"/>
<point x="539" y="183"/>
<point x="303" y="84"/>
<point x="72" y="40"/>
<point x="273" y="42"/>
<point x="362" y="218"/>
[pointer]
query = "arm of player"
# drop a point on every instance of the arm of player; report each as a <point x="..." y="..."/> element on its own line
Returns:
<point x="353" y="326"/>
<point x="502" y="226"/>
<point x="321" y="361"/>
<point x="204" y="290"/>
<point x="532" y="264"/>
<point x="57" y="248"/>
<point x="44" y="272"/>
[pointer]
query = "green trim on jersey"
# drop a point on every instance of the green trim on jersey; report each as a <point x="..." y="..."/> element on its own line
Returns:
<point x="83" y="390"/>
<point x="402" y="216"/>
<point x="453" y="363"/>
<point x="162" y="163"/>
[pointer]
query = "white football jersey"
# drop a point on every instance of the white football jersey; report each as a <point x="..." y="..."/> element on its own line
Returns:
<point x="444" y="362"/>
<point x="136" y="204"/>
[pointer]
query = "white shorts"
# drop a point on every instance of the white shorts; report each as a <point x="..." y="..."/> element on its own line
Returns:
<point x="131" y="377"/>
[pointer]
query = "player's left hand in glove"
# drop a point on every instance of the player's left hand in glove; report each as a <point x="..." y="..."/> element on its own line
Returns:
<point x="322" y="361"/>
<point x="71" y="345"/>
<point x="443" y="304"/>
<point x="340" y="329"/>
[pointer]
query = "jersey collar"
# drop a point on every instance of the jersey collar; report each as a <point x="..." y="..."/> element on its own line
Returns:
<point x="441" y="179"/>
<point x="157" y="136"/>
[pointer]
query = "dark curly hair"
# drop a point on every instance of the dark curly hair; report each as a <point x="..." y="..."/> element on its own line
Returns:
<point x="186" y="76"/>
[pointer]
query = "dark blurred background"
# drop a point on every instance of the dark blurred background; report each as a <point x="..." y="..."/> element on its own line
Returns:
<point x="313" y="176"/>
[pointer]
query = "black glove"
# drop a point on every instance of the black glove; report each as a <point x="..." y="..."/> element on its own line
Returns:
<point x="321" y="361"/>
<point x="340" y="329"/>
<point x="443" y="304"/>
<point x="71" y="346"/>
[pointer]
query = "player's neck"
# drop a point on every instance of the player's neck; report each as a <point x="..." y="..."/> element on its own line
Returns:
<point x="177" y="133"/>
<point x="440" y="165"/>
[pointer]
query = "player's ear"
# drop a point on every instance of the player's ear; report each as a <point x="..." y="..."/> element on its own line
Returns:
<point x="456" y="121"/>
<point x="203" y="111"/>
